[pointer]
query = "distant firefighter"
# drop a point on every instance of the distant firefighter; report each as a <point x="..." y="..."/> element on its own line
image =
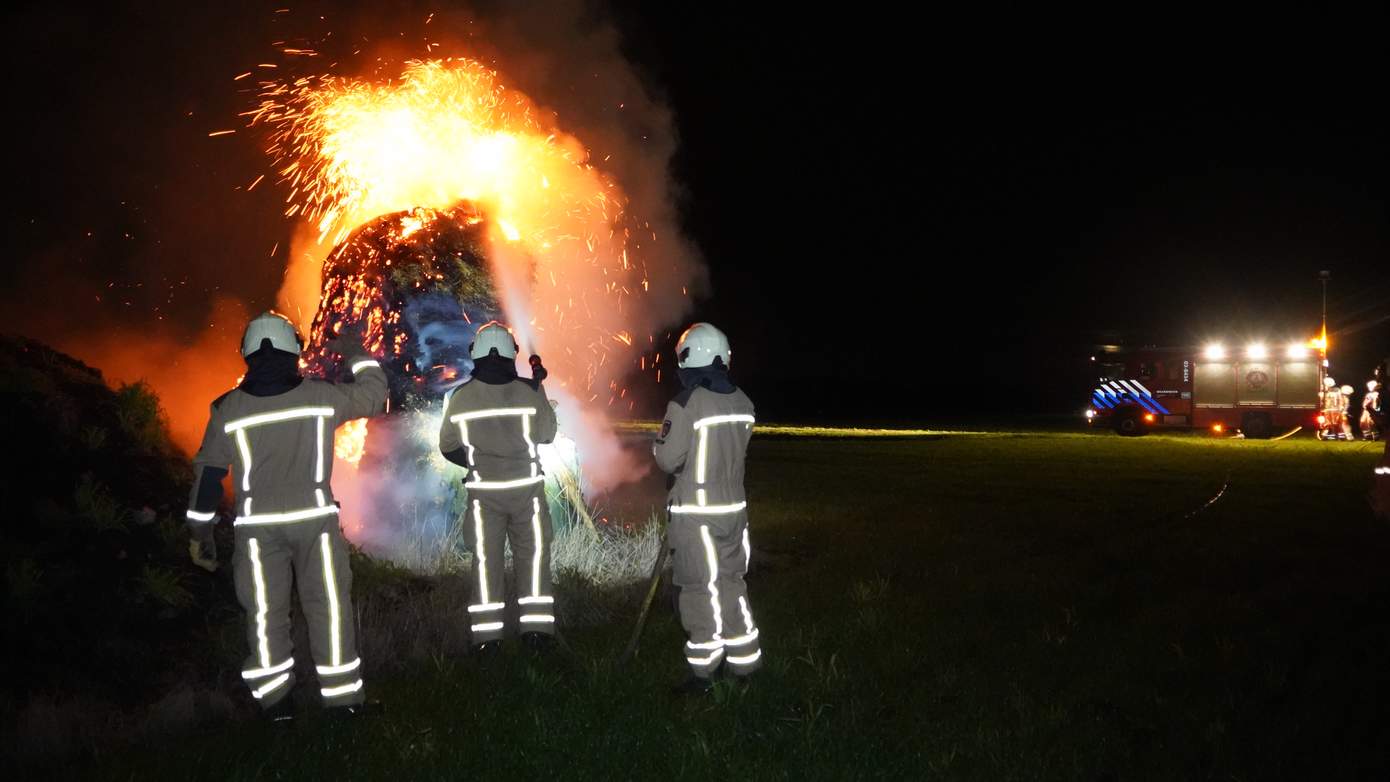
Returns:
<point x="1334" y="406"/>
<point x="276" y="431"/>
<point x="492" y="425"/>
<point x="702" y="444"/>
<point x="1370" y="405"/>
<point x="1380" y="489"/>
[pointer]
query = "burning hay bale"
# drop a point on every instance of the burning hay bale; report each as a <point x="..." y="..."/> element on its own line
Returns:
<point x="417" y="282"/>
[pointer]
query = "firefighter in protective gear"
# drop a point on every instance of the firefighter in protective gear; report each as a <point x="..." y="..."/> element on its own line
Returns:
<point x="492" y="425"/>
<point x="702" y="444"/>
<point x="1380" y="488"/>
<point x="1345" y="402"/>
<point x="1332" y="407"/>
<point x="1370" y="404"/>
<point x="275" y="429"/>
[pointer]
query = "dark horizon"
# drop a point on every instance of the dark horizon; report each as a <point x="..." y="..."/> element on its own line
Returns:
<point x="955" y="217"/>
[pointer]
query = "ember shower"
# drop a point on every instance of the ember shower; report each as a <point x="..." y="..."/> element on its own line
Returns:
<point x="439" y="200"/>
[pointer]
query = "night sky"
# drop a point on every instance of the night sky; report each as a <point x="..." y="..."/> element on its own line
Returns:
<point x="903" y="218"/>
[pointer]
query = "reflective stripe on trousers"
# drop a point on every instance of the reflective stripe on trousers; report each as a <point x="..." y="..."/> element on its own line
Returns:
<point x="521" y="517"/>
<point x="313" y="555"/>
<point x="712" y="553"/>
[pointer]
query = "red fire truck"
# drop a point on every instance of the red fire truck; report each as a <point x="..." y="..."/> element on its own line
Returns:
<point x="1259" y="390"/>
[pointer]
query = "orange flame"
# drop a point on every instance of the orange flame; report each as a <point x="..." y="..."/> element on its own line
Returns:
<point x="350" y="441"/>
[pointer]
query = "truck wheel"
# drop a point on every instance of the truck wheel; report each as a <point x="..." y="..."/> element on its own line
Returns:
<point x="1256" y="426"/>
<point x="1130" y="425"/>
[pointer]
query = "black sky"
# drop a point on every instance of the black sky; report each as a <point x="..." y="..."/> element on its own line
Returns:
<point x="897" y="212"/>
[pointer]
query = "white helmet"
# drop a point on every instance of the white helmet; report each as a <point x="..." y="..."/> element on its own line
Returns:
<point x="1372" y="385"/>
<point x="275" y="327"/>
<point x="493" y="336"/>
<point x="1329" y="382"/>
<point x="1347" y="390"/>
<point x="700" y="345"/>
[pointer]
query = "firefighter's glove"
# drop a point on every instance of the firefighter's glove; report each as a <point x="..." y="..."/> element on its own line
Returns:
<point x="348" y="342"/>
<point x="202" y="547"/>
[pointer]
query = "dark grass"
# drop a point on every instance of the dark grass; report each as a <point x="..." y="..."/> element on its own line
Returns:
<point x="992" y="607"/>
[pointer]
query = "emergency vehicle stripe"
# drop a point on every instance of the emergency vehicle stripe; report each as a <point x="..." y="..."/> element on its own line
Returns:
<point x="536" y="536"/>
<point x="245" y="449"/>
<point x="253" y="548"/>
<point x="278" y="415"/>
<point x="712" y="561"/>
<point x="330" y="585"/>
<point x="1142" y="398"/>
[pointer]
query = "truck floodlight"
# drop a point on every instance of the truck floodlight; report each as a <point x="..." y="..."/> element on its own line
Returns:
<point x="1215" y="352"/>
<point x="1256" y="350"/>
<point x="1298" y="351"/>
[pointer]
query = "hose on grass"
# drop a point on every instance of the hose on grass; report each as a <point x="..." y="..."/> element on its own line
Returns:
<point x="653" y="585"/>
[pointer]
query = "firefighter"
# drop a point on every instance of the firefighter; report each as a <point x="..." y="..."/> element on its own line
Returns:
<point x="1370" y="404"/>
<point x="492" y="425"/>
<point x="1331" y="409"/>
<point x="1380" y="487"/>
<point x="275" y="429"/>
<point x="1345" y="402"/>
<point x="702" y="444"/>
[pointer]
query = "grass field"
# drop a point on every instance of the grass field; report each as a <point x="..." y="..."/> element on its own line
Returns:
<point x="961" y="607"/>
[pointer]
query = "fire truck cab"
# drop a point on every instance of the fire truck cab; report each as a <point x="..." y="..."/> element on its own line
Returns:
<point x="1257" y="391"/>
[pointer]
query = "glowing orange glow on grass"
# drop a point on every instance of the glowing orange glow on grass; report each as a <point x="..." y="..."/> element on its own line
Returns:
<point x="1218" y="428"/>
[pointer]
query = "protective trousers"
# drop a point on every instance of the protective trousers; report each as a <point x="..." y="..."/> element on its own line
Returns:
<point x="521" y="516"/>
<point x="314" y="555"/>
<point x="711" y="558"/>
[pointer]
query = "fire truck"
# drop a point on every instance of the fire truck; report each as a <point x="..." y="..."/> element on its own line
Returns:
<point x="1259" y="390"/>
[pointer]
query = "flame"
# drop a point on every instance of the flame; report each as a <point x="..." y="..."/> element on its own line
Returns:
<point x="350" y="441"/>
<point x="564" y="252"/>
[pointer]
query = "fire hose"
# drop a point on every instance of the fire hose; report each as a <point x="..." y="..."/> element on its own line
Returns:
<point x="654" y="583"/>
